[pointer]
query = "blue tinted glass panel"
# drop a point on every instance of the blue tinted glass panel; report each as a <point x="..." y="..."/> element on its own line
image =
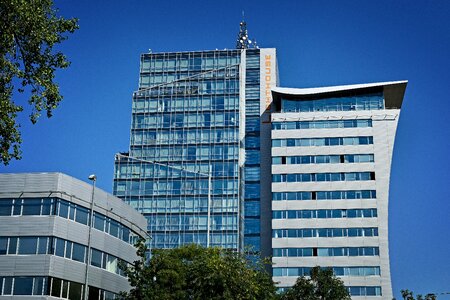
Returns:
<point x="251" y="226"/>
<point x="252" y="208"/>
<point x="252" y="243"/>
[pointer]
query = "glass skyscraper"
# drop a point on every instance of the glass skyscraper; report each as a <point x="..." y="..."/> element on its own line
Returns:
<point x="193" y="166"/>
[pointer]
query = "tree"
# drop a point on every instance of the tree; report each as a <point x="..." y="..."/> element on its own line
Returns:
<point x="29" y="30"/>
<point x="409" y="295"/>
<point x="322" y="285"/>
<point x="194" y="272"/>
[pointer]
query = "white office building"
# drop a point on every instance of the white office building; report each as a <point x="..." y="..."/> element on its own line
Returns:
<point x="331" y="162"/>
<point x="49" y="249"/>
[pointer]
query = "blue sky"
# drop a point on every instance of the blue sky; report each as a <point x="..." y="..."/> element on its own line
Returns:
<point x="319" y="43"/>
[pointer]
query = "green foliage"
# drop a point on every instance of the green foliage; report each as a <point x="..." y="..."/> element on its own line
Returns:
<point x="29" y="30"/>
<point x="322" y="285"/>
<point x="409" y="295"/>
<point x="194" y="272"/>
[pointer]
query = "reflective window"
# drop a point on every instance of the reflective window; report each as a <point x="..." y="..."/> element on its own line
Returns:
<point x="12" y="249"/>
<point x="59" y="247"/>
<point x="325" y="214"/>
<point x="364" y="290"/>
<point x="252" y="191"/>
<point x="322" y="232"/>
<point x="337" y="251"/>
<point x="328" y="141"/>
<point x="251" y="226"/>
<point x="349" y="103"/>
<point x="7" y="285"/>
<point x="82" y="215"/>
<point x="96" y="258"/>
<point x="322" y="159"/>
<point x="287" y="125"/>
<point x="5" y="207"/>
<point x="27" y="245"/>
<point x="252" y="208"/>
<point x="338" y="271"/>
<point x="23" y="286"/>
<point x="328" y="195"/>
<point x="106" y="261"/>
<point x="75" y="291"/>
<point x="3" y="245"/>
<point x="31" y="207"/>
<point x="43" y="247"/>
<point x="63" y="209"/>
<point x="78" y="252"/>
<point x="352" y="176"/>
<point x="99" y="221"/>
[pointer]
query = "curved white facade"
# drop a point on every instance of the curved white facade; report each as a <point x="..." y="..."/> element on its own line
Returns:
<point x="330" y="183"/>
<point x="44" y="238"/>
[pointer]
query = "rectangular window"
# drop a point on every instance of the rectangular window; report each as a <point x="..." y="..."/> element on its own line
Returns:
<point x="111" y="264"/>
<point x="47" y="207"/>
<point x="31" y="207"/>
<point x="3" y="246"/>
<point x="99" y="222"/>
<point x="96" y="258"/>
<point x="251" y="226"/>
<point x="82" y="215"/>
<point x="43" y="245"/>
<point x="68" y="249"/>
<point x="63" y="209"/>
<point x="59" y="247"/>
<point x="78" y="252"/>
<point x="17" y="207"/>
<point x="27" y="245"/>
<point x="75" y="290"/>
<point x="65" y="289"/>
<point x="38" y="287"/>
<point x="5" y="207"/>
<point x="7" y="286"/>
<point x="125" y="234"/>
<point x="56" y="287"/>
<point x="23" y="285"/>
<point x="12" y="249"/>
<point x="114" y="228"/>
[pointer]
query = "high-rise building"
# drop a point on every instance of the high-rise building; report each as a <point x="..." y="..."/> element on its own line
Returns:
<point x="199" y="129"/>
<point x="331" y="161"/>
<point x="221" y="156"/>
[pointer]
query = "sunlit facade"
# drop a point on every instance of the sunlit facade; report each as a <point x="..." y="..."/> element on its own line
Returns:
<point x="331" y="159"/>
<point x="47" y="248"/>
<point x="221" y="156"/>
<point x="193" y="167"/>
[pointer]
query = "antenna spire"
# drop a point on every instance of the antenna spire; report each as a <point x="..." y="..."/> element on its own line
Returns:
<point x="243" y="41"/>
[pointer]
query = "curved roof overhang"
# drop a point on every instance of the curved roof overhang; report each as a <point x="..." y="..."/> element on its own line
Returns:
<point x="393" y="92"/>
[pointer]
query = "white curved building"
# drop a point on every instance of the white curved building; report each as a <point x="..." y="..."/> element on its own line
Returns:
<point x="331" y="162"/>
<point x="44" y="238"/>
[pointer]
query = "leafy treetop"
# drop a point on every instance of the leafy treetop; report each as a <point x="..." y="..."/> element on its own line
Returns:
<point x="29" y="30"/>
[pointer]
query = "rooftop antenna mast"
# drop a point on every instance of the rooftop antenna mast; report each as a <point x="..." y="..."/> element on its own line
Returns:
<point x="243" y="41"/>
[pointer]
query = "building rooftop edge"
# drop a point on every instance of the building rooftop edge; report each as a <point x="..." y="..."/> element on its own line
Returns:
<point x="58" y="182"/>
<point x="211" y="50"/>
<point x="337" y="88"/>
<point x="393" y="91"/>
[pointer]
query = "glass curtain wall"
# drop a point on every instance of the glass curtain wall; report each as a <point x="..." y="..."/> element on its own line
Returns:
<point x="252" y="169"/>
<point x="185" y="117"/>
